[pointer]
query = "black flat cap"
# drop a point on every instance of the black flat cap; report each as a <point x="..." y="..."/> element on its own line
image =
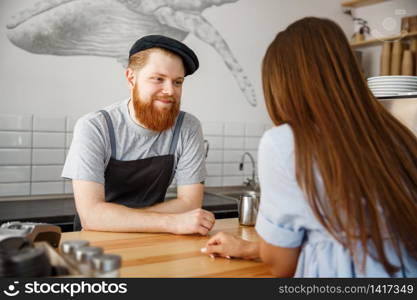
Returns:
<point x="188" y="56"/>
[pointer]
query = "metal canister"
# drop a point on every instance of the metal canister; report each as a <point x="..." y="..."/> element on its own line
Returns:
<point x="248" y="206"/>
<point x="106" y="265"/>
<point x="69" y="247"/>
<point x="84" y="256"/>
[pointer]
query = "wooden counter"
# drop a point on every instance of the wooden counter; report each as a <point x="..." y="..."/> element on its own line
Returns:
<point x="168" y="255"/>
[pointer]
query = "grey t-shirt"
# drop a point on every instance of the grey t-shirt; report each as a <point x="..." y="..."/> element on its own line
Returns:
<point x="90" y="149"/>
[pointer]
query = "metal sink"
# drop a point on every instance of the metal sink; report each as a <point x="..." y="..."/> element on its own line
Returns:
<point x="227" y="195"/>
<point x="237" y="194"/>
<point x="222" y="206"/>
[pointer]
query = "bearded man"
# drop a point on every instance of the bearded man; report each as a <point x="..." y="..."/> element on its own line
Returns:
<point x="123" y="158"/>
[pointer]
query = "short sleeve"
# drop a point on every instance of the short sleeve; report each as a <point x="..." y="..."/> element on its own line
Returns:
<point x="282" y="212"/>
<point x="86" y="157"/>
<point x="191" y="167"/>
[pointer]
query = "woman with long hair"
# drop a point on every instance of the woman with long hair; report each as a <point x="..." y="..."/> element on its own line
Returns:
<point x="338" y="173"/>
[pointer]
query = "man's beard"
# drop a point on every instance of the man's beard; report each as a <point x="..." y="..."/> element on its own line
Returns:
<point x="152" y="117"/>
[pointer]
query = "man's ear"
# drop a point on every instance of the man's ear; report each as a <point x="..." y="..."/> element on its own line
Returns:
<point x="130" y="75"/>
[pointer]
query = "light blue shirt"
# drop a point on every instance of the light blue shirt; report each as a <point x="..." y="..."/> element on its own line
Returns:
<point x="285" y="218"/>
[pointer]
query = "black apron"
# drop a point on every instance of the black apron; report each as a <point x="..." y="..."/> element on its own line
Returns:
<point x="138" y="183"/>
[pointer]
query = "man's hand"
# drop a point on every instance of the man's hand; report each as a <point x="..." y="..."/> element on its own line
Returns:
<point x="195" y="221"/>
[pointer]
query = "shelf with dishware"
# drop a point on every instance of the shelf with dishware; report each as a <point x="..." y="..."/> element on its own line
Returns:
<point x="360" y="3"/>
<point x="408" y="26"/>
<point x="393" y="86"/>
<point x="373" y="42"/>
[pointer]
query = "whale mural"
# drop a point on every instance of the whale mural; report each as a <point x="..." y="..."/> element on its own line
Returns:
<point x="109" y="27"/>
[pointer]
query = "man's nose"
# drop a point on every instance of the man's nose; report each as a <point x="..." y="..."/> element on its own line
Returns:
<point x="168" y="88"/>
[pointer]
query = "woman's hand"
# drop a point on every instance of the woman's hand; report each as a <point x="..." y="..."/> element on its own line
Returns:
<point x="227" y="245"/>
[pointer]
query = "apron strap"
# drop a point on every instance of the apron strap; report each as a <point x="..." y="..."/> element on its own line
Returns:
<point x="174" y="142"/>
<point x="176" y="135"/>
<point x="111" y="132"/>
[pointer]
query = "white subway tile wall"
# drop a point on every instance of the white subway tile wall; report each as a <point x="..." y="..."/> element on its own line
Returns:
<point x="252" y="143"/>
<point x="33" y="150"/>
<point x="68" y="140"/>
<point x="234" y="129"/>
<point x="214" y="169"/>
<point x="48" y="140"/>
<point x="43" y="188"/>
<point x="14" y="189"/>
<point x="14" y="174"/>
<point x="213" y="128"/>
<point x="233" y="155"/>
<point x="70" y="123"/>
<point x="215" y="156"/>
<point x="68" y="186"/>
<point x="216" y="142"/>
<point x="213" y="181"/>
<point x="16" y="122"/>
<point x="233" y="142"/>
<point x="46" y="173"/>
<point x="228" y="142"/>
<point x="232" y="180"/>
<point x="48" y="156"/>
<point x="254" y="129"/>
<point x="15" y="139"/>
<point x="13" y="157"/>
<point x="32" y="154"/>
<point x="232" y="169"/>
<point x="49" y="123"/>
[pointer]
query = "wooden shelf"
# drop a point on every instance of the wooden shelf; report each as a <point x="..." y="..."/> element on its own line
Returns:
<point x="373" y="42"/>
<point x="359" y="3"/>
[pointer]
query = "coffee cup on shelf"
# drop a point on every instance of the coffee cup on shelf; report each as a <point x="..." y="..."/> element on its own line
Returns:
<point x="396" y="58"/>
<point x="385" y="59"/>
<point x="407" y="67"/>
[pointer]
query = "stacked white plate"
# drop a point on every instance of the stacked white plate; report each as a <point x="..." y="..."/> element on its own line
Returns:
<point x="385" y="86"/>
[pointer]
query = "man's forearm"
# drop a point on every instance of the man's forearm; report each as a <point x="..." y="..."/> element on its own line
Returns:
<point x="106" y="216"/>
<point x="189" y="197"/>
<point x="173" y="206"/>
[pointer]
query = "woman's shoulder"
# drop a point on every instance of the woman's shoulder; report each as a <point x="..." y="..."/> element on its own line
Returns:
<point x="278" y="136"/>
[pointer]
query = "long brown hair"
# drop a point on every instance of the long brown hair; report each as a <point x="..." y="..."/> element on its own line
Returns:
<point x="367" y="160"/>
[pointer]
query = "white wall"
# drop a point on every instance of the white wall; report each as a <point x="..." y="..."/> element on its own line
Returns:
<point x="384" y="19"/>
<point x="46" y="84"/>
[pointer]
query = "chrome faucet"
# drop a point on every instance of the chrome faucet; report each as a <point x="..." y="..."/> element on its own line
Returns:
<point x="251" y="182"/>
